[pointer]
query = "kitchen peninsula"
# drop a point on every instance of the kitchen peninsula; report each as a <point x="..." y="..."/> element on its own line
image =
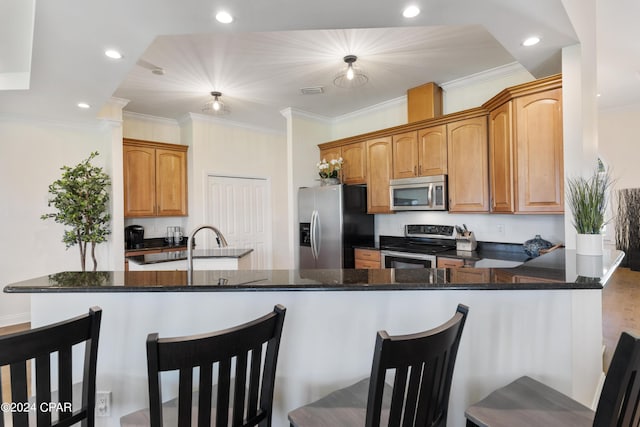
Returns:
<point x="541" y="319"/>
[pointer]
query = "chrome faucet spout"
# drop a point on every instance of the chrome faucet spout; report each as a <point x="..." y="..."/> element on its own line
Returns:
<point x="222" y="242"/>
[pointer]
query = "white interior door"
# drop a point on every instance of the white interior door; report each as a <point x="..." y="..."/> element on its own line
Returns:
<point x="241" y="209"/>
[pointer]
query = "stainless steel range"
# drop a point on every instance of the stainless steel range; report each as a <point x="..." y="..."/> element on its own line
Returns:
<point x="418" y="248"/>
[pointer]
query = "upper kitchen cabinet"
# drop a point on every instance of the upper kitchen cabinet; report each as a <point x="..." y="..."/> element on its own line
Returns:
<point x="328" y="154"/>
<point x="405" y="155"/>
<point x="432" y="151"/>
<point x="526" y="148"/>
<point x="354" y="168"/>
<point x="380" y="171"/>
<point x="420" y="153"/>
<point x="468" y="165"/>
<point x="155" y="179"/>
<point x="424" y="102"/>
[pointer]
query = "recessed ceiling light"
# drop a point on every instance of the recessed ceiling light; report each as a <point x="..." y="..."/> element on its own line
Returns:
<point x="411" y="12"/>
<point x="224" y="17"/>
<point x="113" y="54"/>
<point x="83" y="105"/>
<point x="531" y="41"/>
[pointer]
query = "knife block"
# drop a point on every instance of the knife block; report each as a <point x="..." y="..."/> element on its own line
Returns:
<point x="467" y="242"/>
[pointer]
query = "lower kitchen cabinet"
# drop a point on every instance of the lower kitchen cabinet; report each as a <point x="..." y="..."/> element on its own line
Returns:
<point x="470" y="275"/>
<point x="449" y="262"/>
<point x="367" y="258"/>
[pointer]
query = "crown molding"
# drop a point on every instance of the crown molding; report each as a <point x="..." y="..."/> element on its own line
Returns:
<point x="372" y="109"/>
<point x="92" y="124"/>
<point x="148" y="118"/>
<point x="483" y="76"/>
<point x="291" y="112"/>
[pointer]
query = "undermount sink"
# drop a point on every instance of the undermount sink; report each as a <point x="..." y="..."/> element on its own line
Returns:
<point x="496" y="263"/>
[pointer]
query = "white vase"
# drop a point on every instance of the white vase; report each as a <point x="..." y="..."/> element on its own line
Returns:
<point x="589" y="244"/>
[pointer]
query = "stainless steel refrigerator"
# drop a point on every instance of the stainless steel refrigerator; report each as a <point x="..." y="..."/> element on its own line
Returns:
<point x="333" y="219"/>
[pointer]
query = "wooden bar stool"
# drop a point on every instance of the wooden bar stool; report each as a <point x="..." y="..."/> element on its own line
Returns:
<point x="423" y="365"/>
<point x="64" y="403"/>
<point x="245" y="398"/>
<point x="529" y="403"/>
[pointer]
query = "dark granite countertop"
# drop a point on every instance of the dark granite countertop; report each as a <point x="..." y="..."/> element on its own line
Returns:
<point x="554" y="271"/>
<point x="197" y="253"/>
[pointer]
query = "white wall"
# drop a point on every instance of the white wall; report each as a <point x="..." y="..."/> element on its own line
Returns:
<point x="619" y="148"/>
<point x="218" y="148"/>
<point x="32" y="154"/>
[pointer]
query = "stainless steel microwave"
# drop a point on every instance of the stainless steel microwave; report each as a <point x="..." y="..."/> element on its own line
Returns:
<point x="426" y="193"/>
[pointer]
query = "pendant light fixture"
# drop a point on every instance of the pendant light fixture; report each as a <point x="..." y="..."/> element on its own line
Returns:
<point x="352" y="76"/>
<point x="215" y="106"/>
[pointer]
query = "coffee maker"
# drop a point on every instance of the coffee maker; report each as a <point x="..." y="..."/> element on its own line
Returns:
<point x="134" y="237"/>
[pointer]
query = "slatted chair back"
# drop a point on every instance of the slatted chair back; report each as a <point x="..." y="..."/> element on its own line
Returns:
<point x="36" y="347"/>
<point x="423" y="365"/>
<point x="619" y="404"/>
<point x="246" y="396"/>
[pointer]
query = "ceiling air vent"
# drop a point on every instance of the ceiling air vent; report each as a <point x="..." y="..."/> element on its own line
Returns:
<point x="315" y="90"/>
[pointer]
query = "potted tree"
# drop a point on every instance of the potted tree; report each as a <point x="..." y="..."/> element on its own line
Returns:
<point x="587" y="199"/>
<point x="81" y="199"/>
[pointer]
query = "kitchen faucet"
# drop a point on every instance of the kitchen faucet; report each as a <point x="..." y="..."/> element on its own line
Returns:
<point x="222" y="242"/>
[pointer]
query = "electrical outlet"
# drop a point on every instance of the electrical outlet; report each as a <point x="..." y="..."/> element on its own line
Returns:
<point x="103" y="403"/>
<point x="501" y="229"/>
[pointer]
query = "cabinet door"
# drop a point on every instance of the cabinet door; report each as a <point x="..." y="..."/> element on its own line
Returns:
<point x="355" y="163"/>
<point x="501" y="158"/>
<point x="171" y="182"/>
<point x="405" y="155"/>
<point x="139" y="181"/>
<point x="539" y="148"/>
<point x="449" y="262"/>
<point x="468" y="165"/>
<point x="470" y="275"/>
<point x="331" y="153"/>
<point x="432" y="151"/>
<point x="379" y="172"/>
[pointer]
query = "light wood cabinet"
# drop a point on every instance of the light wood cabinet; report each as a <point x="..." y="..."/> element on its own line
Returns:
<point x="432" y="151"/>
<point x="467" y="150"/>
<point x="443" y="262"/>
<point x="470" y="275"/>
<point x="405" y="155"/>
<point x="354" y="168"/>
<point x="501" y="158"/>
<point x="539" y="150"/>
<point x="155" y="179"/>
<point x="420" y="153"/>
<point x="332" y="153"/>
<point x="424" y="102"/>
<point x="367" y="258"/>
<point x="526" y="152"/>
<point x="380" y="171"/>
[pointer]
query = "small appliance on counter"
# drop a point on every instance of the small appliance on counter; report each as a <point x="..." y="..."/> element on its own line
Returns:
<point x="134" y="237"/>
<point x="465" y="240"/>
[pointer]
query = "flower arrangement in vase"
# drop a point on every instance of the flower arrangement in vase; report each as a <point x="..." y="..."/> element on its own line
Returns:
<point x="328" y="170"/>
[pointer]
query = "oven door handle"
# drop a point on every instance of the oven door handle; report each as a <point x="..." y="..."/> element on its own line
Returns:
<point x="409" y="255"/>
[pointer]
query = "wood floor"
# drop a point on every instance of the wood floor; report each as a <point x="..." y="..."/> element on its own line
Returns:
<point x="620" y="312"/>
<point x="620" y="309"/>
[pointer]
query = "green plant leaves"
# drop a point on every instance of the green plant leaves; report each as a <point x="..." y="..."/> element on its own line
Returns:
<point x="587" y="199"/>
<point x="81" y="200"/>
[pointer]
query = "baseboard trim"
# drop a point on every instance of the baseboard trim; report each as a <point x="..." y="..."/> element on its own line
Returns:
<point x="15" y="319"/>
<point x="596" y="397"/>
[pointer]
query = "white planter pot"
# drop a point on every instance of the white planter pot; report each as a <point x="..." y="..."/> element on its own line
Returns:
<point x="589" y="244"/>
